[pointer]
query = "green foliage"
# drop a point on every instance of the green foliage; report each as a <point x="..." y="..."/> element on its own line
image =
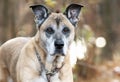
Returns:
<point x="50" y="3"/>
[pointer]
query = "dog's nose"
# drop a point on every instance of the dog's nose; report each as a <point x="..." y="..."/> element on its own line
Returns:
<point x="59" y="44"/>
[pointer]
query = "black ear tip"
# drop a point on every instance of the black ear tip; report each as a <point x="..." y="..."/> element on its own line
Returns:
<point x="38" y="7"/>
<point x="76" y="5"/>
<point x="31" y="6"/>
<point x="81" y="5"/>
<point x="35" y="6"/>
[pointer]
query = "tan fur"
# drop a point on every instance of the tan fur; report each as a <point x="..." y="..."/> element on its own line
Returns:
<point x="18" y="59"/>
<point x="9" y="53"/>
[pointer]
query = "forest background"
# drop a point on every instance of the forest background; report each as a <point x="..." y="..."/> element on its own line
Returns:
<point x="96" y="49"/>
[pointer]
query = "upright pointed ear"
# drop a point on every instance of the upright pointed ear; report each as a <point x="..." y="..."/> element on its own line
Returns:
<point x="72" y="13"/>
<point x="40" y="12"/>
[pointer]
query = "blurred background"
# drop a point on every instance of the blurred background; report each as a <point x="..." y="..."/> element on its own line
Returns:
<point x="95" y="53"/>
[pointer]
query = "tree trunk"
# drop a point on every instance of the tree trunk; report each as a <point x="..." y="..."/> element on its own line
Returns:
<point x="110" y="35"/>
<point x="5" y="20"/>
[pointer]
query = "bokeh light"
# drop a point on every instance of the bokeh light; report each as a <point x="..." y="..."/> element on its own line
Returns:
<point x="100" y="42"/>
<point x="77" y="51"/>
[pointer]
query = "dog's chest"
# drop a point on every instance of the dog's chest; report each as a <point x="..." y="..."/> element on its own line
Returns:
<point x="51" y="68"/>
<point x="50" y="78"/>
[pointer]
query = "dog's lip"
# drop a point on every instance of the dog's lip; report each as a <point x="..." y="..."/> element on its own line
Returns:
<point x="58" y="52"/>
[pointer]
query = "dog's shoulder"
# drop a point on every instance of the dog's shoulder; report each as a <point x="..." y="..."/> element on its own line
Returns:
<point x="16" y="41"/>
<point x="13" y="46"/>
<point x="10" y="50"/>
<point x="28" y="49"/>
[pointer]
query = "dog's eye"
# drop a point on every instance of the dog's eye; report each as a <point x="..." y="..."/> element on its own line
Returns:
<point x="49" y="30"/>
<point x="66" y="30"/>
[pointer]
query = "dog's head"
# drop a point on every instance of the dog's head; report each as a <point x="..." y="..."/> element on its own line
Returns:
<point x="56" y="30"/>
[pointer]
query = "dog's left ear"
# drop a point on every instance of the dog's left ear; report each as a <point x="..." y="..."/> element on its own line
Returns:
<point x="40" y="12"/>
<point x="72" y="13"/>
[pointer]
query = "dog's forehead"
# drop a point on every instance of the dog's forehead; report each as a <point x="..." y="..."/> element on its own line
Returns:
<point x="56" y="17"/>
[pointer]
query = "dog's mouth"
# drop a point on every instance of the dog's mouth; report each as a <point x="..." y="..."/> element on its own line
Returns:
<point x="58" y="52"/>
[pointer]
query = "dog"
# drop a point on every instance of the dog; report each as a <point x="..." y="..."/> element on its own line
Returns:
<point x="44" y="57"/>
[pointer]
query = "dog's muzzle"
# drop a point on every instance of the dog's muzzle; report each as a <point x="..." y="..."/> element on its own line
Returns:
<point x="59" y="44"/>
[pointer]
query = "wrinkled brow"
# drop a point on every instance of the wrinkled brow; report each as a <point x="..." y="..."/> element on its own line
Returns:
<point x="57" y="21"/>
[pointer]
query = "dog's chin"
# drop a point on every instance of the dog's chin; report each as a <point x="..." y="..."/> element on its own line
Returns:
<point x="58" y="53"/>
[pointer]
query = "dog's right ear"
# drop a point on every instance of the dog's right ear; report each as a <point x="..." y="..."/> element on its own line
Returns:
<point x="40" y="12"/>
